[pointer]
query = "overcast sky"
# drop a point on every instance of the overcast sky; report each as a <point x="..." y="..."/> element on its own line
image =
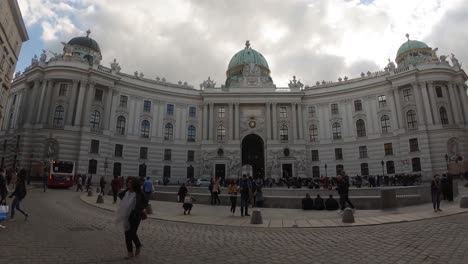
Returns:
<point x="190" y="40"/>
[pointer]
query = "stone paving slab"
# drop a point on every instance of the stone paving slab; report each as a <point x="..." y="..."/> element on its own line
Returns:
<point x="283" y="218"/>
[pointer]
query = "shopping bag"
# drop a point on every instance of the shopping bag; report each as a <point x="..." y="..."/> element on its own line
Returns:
<point x="3" y="212"/>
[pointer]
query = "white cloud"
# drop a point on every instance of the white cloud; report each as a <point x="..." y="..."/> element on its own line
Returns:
<point x="312" y="39"/>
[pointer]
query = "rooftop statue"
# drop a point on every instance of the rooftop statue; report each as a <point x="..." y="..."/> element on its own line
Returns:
<point x="34" y="59"/>
<point x="207" y="83"/>
<point x="295" y="83"/>
<point x="455" y="61"/>
<point x="67" y="49"/>
<point x="391" y="65"/>
<point x="115" y="66"/>
<point x="43" y="56"/>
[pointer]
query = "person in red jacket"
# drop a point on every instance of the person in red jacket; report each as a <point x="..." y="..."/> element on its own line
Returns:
<point x="115" y="184"/>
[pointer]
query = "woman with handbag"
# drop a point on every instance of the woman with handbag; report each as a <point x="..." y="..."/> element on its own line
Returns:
<point x="130" y="213"/>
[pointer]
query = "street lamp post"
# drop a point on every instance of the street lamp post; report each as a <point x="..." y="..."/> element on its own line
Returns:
<point x="446" y="162"/>
<point x="106" y="164"/>
<point x="382" y="163"/>
<point x="326" y="171"/>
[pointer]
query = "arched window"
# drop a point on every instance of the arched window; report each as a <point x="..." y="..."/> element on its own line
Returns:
<point x="361" y="128"/>
<point x="284" y="133"/>
<point x="121" y="125"/>
<point x="416" y="164"/>
<point x="145" y="129"/>
<point x="168" y="131"/>
<point x="95" y="120"/>
<point x="142" y="170"/>
<point x="411" y="119"/>
<point x="336" y="129"/>
<point x="443" y="116"/>
<point x="58" y="116"/>
<point x="385" y="124"/>
<point x="221" y="133"/>
<point x="313" y="131"/>
<point x="191" y="133"/>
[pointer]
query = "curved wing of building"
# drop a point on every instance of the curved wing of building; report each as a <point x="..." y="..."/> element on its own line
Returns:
<point x="411" y="117"/>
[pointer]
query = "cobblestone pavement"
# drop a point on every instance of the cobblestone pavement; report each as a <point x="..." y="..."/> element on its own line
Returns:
<point x="63" y="229"/>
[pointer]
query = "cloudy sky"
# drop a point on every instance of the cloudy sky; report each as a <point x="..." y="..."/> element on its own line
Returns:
<point x="191" y="40"/>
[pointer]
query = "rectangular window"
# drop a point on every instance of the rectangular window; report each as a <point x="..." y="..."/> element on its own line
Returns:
<point x="283" y="112"/>
<point x="221" y="112"/>
<point x="364" y="169"/>
<point x="4" y="144"/>
<point x="388" y="149"/>
<point x="167" y="154"/>
<point x="338" y="154"/>
<point x="118" y="150"/>
<point x="190" y="155"/>
<point x="357" y="105"/>
<point x="143" y="153"/>
<point x="170" y="109"/>
<point x="315" y="155"/>
<point x="123" y="101"/>
<point x="166" y="172"/>
<point x="334" y="109"/>
<point x="382" y="100"/>
<point x="147" y="106"/>
<point x="362" y="152"/>
<point x="439" y="91"/>
<point x="413" y="143"/>
<point x="312" y="111"/>
<point x="94" y="147"/>
<point x="63" y="89"/>
<point x="407" y="95"/>
<point x="98" y="95"/>
<point x="192" y="111"/>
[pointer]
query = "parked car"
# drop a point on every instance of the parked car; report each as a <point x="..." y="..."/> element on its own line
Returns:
<point x="203" y="181"/>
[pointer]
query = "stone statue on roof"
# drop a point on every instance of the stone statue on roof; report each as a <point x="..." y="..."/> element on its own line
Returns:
<point x="43" y="56"/>
<point x="455" y="61"/>
<point x="115" y="66"/>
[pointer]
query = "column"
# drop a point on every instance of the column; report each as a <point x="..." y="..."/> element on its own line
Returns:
<point x="205" y="121"/>
<point x="231" y="122"/>
<point x="112" y="119"/>
<point x="275" y="124"/>
<point x="136" y="117"/>
<point x="31" y="102"/>
<point x="349" y="118"/>
<point x="156" y="123"/>
<point x="294" y="122"/>
<point x="237" y="121"/>
<point x="432" y="98"/>
<point x="454" y="102"/>
<point x="326" y="121"/>
<point x="300" y="120"/>
<point x="19" y="101"/>
<point x="108" y="108"/>
<point x="161" y="119"/>
<point x="183" y="123"/>
<point x="88" y="103"/>
<point x="79" y="103"/>
<point x="394" y="117"/>
<point x="211" y="123"/>
<point x="454" y="118"/>
<point x="321" y="109"/>
<point x="41" y="101"/>
<point x="427" y="106"/>
<point x="71" y="103"/>
<point x="419" y="104"/>
<point x="399" y="110"/>
<point x="463" y="100"/>
<point x="53" y="91"/>
<point x="132" y="115"/>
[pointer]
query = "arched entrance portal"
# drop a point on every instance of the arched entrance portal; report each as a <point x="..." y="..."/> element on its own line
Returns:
<point x="253" y="154"/>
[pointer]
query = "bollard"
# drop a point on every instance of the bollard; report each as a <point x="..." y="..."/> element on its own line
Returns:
<point x="90" y="192"/>
<point x="464" y="202"/>
<point x="388" y="199"/>
<point x="256" y="218"/>
<point x="100" y="199"/>
<point x="348" y="216"/>
<point x="149" y="209"/>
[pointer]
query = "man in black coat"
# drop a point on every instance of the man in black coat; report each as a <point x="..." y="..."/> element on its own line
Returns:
<point x="343" y="191"/>
<point x="307" y="203"/>
<point x="319" y="205"/>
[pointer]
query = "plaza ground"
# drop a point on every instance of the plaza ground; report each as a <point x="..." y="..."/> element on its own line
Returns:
<point x="64" y="229"/>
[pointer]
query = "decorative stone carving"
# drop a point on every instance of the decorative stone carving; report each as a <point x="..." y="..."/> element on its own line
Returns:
<point x="17" y="74"/>
<point x="135" y="74"/>
<point x="115" y="67"/>
<point x="443" y="58"/>
<point x="51" y="149"/>
<point x="163" y="79"/>
<point x="34" y="60"/>
<point x="43" y="56"/>
<point x="317" y="83"/>
<point x="179" y="82"/>
<point x="141" y="75"/>
<point x="434" y="54"/>
<point x="362" y="74"/>
<point x="251" y="70"/>
<point x="339" y="79"/>
<point x="67" y="49"/>
<point x="455" y="61"/>
<point x="207" y="83"/>
<point x="185" y="83"/>
<point x="345" y="78"/>
<point x="391" y="65"/>
<point x="158" y="79"/>
<point x="295" y="83"/>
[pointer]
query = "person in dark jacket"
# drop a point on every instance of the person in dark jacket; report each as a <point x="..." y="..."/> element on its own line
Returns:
<point x="102" y="184"/>
<point x="130" y="213"/>
<point x="318" y="203"/>
<point x="435" y="193"/>
<point x="331" y="204"/>
<point x="79" y="187"/>
<point x="307" y="203"/>
<point x="19" y="193"/>
<point x="115" y="184"/>
<point x="444" y="187"/>
<point x="3" y="190"/>
<point x="182" y="192"/>
<point x="245" y="193"/>
<point x="343" y="191"/>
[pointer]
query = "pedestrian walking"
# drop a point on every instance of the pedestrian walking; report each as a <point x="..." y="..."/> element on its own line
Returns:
<point x="216" y="192"/>
<point x="435" y="193"/>
<point x="19" y="194"/>
<point x="148" y="188"/>
<point x="188" y="203"/>
<point x="343" y="191"/>
<point x="88" y="183"/>
<point x="182" y="192"/>
<point x="245" y="190"/>
<point x="115" y="185"/>
<point x="102" y="184"/>
<point x="130" y="213"/>
<point x="232" y="192"/>
<point x="210" y="187"/>
<point x="3" y="196"/>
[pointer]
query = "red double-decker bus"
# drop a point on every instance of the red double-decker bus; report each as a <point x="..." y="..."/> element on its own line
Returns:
<point x="62" y="174"/>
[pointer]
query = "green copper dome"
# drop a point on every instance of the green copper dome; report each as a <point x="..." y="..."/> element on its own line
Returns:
<point x="411" y="45"/>
<point x="246" y="56"/>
